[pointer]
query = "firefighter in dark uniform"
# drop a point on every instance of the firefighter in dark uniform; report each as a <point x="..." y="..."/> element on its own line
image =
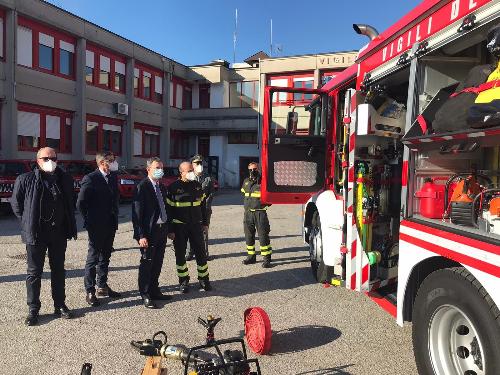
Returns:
<point x="207" y="184"/>
<point x="255" y="218"/>
<point x="187" y="221"/>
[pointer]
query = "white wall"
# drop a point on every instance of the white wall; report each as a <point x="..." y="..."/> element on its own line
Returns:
<point x="232" y="162"/>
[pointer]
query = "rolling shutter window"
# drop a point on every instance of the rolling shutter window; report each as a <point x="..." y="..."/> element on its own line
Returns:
<point x="46" y="40"/>
<point x="91" y="125"/>
<point x="178" y="96"/>
<point x="152" y="132"/>
<point x="53" y="127"/>
<point x="89" y="59"/>
<point x="171" y="94"/>
<point x="282" y="96"/>
<point x="136" y="73"/>
<point x="105" y="63"/>
<point x="158" y="85"/>
<point x="28" y="124"/>
<point x="113" y="128"/>
<point x="137" y="142"/>
<point x="24" y="46"/>
<point x="67" y="46"/>
<point x="119" y="67"/>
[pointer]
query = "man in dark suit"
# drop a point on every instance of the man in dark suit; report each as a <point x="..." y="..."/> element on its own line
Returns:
<point x="98" y="204"/>
<point x="43" y="201"/>
<point x="149" y="216"/>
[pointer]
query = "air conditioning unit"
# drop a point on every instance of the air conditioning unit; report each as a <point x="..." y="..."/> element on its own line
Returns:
<point x="121" y="109"/>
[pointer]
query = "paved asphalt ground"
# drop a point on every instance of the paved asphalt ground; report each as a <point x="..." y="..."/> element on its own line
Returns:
<point x="316" y="330"/>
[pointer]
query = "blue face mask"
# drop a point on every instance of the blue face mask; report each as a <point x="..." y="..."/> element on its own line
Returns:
<point x="158" y="173"/>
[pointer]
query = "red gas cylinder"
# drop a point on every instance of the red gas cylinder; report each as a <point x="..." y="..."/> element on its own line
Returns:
<point x="431" y="197"/>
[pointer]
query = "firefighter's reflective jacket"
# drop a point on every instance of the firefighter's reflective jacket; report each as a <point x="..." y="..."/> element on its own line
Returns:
<point x="251" y="194"/>
<point x="186" y="203"/>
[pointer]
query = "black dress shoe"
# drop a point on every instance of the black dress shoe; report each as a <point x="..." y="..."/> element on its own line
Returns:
<point x="148" y="303"/>
<point x="107" y="292"/>
<point x="160" y="296"/>
<point x="267" y="262"/>
<point x="92" y="299"/>
<point x="251" y="259"/>
<point x="63" y="312"/>
<point x="31" y="319"/>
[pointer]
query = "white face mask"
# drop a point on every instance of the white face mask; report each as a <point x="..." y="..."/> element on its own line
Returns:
<point x="49" y="166"/>
<point x="191" y="176"/>
<point x="198" y="168"/>
<point x="113" y="167"/>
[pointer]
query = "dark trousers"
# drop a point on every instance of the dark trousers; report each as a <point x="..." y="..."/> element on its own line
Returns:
<point x="257" y="221"/>
<point x="152" y="261"/>
<point x="98" y="261"/>
<point x="55" y="242"/>
<point x="193" y="233"/>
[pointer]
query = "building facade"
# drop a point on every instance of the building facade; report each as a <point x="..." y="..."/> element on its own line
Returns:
<point x="74" y="86"/>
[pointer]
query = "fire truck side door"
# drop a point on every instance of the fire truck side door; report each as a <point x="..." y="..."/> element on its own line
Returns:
<point x="293" y="144"/>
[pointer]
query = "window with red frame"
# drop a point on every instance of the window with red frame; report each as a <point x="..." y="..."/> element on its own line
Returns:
<point x="243" y="94"/>
<point x="204" y="96"/>
<point x="45" y="49"/>
<point x="148" y="83"/>
<point x="104" y="69"/>
<point x="103" y="134"/>
<point x="146" y="140"/>
<point x="43" y="127"/>
<point x="303" y="80"/>
<point x="180" y="94"/>
<point x="179" y="144"/>
<point x="2" y="34"/>
<point x="326" y="76"/>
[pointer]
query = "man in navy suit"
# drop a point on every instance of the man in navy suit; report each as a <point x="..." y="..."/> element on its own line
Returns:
<point x="149" y="216"/>
<point x="98" y="204"/>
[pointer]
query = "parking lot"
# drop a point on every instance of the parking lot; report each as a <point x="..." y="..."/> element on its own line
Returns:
<point x="316" y="330"/>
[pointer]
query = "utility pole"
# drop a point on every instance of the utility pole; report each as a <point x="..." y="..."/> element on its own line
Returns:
<point x="271" y="50"/>
<point x="235" y="35"/>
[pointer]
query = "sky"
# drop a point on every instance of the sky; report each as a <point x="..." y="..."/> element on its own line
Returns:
<point x="195" y="32"/>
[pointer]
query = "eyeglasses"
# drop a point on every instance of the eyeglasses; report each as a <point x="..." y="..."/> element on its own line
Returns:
<point x="47" y="158"/>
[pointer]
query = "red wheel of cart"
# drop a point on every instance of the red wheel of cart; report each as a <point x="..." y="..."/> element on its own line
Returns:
<point x="258" y="330"/>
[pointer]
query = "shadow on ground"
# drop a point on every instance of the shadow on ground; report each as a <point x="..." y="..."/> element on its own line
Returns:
<point x="328" y="371"/>
<point x="302" y="338"/>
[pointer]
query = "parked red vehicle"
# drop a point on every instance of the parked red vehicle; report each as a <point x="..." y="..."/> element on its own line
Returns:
<point x="9" y="170"/>
<point x="79" y="168"/>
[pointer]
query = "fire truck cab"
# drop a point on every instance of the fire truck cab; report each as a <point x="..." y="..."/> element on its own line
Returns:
<point x="401" y="194"/>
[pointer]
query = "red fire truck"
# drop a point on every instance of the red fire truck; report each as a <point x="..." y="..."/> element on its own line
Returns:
<point x="392" y="208"/>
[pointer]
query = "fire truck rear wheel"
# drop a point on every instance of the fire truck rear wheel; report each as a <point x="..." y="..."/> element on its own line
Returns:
<point x="321" y="272"/>
<point x="456" y="326"/>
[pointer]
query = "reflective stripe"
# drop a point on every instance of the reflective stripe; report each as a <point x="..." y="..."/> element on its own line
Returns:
<point x="253" y="195"/>
<point x="202" y="274"/>
<point x="250" y="247"/>
<point x="258" y="209"/>
<point x="251" y="252"/>
<point x="203" y="268"/>
<point x="182" y="267"/>
<point x="177" y="221"/>
<point x="182" y="274"/>
<point x="184" y="204"/>
<point x="265" y="247"/>
<point x="264" y="253"/>
<point x="243" y="191"/>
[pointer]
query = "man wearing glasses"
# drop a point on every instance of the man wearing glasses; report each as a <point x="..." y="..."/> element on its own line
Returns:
<point x="43" y="201"/>
<point x="98" y="203"/>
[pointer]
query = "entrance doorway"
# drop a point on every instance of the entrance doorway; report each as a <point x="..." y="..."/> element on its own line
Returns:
<point x="244" y="161"/>
<point x="204" y="145"/>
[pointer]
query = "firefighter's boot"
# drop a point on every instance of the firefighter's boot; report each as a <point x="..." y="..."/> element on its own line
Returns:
<point x="250" y="259"/>
<point x="267" y="262"/>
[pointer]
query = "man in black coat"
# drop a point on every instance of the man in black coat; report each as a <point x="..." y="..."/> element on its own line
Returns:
<point x="98" y="203"/>
<point x="43" y="201"/>
<point x="149" y="217"/>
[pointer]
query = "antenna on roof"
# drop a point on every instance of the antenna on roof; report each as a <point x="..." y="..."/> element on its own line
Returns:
<point x="271" y="49"/>
<point x="235" y="34"/>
